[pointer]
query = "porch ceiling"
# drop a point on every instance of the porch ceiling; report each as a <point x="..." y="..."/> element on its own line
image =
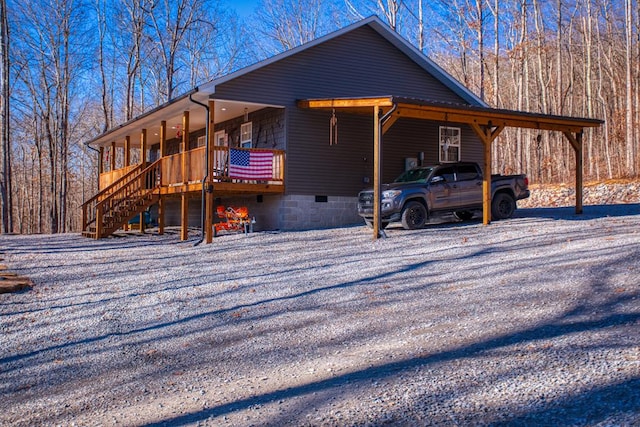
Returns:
<point x="172" y="113"/>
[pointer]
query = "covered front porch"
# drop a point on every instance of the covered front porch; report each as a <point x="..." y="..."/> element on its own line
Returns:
<point x="189" y="147"/>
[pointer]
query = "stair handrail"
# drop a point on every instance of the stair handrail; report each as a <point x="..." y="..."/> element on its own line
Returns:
<point x="117" y="182"/>
<point x="117" y="187"/>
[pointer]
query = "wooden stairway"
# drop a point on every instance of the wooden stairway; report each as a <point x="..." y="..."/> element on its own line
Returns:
<point x="114" y="206"/>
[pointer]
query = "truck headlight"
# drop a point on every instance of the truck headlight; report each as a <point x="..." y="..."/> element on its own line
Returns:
<point x="390" y="194"/>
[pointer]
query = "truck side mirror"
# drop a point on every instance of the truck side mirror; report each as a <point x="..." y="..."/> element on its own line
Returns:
<point x="437" y="179"/>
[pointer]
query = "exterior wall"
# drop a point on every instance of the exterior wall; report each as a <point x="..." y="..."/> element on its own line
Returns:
<point x="268" y="129"/>
<point x="301" y="212"/>
<point x="276" y="212"/>
<point x="360" y="63"/>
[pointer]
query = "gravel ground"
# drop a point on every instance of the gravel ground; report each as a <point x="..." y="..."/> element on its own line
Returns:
<point x="528" y="321"/>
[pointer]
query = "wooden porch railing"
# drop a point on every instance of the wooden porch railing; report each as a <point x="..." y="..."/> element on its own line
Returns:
<point x="171" y="168"/>
<point x="110" y="177"/>
<point x="172" y="173"/>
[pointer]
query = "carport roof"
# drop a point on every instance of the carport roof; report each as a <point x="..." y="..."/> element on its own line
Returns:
<point x="452" y="112"/>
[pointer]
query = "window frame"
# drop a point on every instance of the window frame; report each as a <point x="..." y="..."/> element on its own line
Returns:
<point x="451" y="139"/>
<point x="246" y="134"/>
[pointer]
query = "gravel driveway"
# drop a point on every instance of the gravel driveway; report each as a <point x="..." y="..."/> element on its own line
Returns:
<point x="529" y="321"/>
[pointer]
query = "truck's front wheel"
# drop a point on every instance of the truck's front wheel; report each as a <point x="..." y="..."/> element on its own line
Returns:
<point x="414" y="215"/>
<point x="503" y="206"/>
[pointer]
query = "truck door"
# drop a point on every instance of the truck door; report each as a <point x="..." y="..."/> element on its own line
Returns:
<point x="444" y="193"/>
<point x="469" y="183"/>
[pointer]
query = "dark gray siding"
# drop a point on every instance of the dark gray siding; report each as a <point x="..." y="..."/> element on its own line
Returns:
<point x="268" y="129"/>
<point x="360" y="63"/>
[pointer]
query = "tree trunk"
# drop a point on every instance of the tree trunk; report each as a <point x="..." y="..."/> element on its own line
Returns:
<point x="6" y="187"/>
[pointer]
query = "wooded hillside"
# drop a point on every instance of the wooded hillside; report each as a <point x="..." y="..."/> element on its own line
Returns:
<point x="75" y="68"/>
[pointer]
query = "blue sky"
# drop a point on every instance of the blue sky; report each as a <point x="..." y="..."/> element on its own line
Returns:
<point x="243" y="7"/>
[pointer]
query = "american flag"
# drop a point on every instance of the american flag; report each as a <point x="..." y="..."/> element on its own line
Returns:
<point x="245" y="164"/>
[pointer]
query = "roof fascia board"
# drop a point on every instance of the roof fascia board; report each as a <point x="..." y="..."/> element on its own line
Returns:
<point x="171" y="103"/>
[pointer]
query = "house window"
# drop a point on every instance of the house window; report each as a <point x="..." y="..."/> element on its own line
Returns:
<point x="201" y="141"/>
<point x="449" y="144"/>
<point x="220" y="138"/>
<point x="246" y="135"/>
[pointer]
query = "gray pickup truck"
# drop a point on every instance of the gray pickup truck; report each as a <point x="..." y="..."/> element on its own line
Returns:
<point x="455" y="188"/>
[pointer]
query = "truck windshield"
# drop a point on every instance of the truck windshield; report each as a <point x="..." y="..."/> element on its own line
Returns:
<point x="415" y="175"/>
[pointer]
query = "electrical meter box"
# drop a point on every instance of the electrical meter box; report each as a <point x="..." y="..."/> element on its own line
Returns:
<point x="410" y="163"/>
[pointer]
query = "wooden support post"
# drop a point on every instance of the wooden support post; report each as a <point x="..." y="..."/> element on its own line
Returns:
<point x="576" y="143"/>
<point x="486" y="181"/>
<point x="184" y="230"/>
<point x="161" y="209"/>
<point x="579" y="173"/>
<point x="163" y="153"/>
<point x="487" y="135"/>
<point x="113" y="156"/>
<point x="208" y="217"/>
<point x="101" y="162"/>
<point x="143" y="147"/>
<point x="127" y="151"/>
<point x="185" y="146"/>
<point x="98" y="220"/>
<point x="377" y="163"/>
<point x="163" y="138"/>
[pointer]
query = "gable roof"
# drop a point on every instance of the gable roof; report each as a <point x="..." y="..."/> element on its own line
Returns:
<point x="172" y="110"/>
<point x="383" y="30"/>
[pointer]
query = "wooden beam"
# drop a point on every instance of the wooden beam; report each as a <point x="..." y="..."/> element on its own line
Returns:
<point x="185" y="146"/>
<point x="484" y="118"/>
<point x="346" y="103"/>
<point x="487" y="135"/>
<point x="377" y="168"/>
<point x="101" y="161"/>
<point x="143" y="147"/>
<point x="184" y="223"/>
<point x="161" y="209"/>
<point x="389" y="122"/>
<point x="576" y="143"/>
<point x="457" y="114"/>
<point x="127" y="150"/>
<point x="208" y="222"/>
<point x="113" y="155"/>
<point x="163" y="138"/>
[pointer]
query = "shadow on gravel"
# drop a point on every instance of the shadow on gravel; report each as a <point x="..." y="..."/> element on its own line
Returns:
<point x="590" y="408"/>
<point x="595" y="405"/>
<point x="589" y="212"/>
<point x="557" y="213"/>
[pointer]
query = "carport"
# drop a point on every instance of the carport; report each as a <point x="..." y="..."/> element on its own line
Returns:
<point x="486" y="122"/>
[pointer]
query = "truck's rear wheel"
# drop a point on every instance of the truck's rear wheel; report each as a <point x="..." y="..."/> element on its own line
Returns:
<point x="414" y="215"/>
<point x="503" y="206"/>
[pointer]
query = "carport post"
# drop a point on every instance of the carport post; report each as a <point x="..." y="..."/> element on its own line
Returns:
<point x="377" y="161"/>
<point x="487" y="135"/>
<point x="576" y="143"/>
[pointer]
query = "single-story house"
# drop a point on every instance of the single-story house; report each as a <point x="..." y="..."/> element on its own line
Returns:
<point x="295" y="137"/>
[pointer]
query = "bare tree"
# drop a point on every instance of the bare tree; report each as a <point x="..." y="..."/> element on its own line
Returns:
<point x="285" y="24"/>
<point x="6" y="186"/>
<point x="629" y="64"/>
<point x="171" y="21"/>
